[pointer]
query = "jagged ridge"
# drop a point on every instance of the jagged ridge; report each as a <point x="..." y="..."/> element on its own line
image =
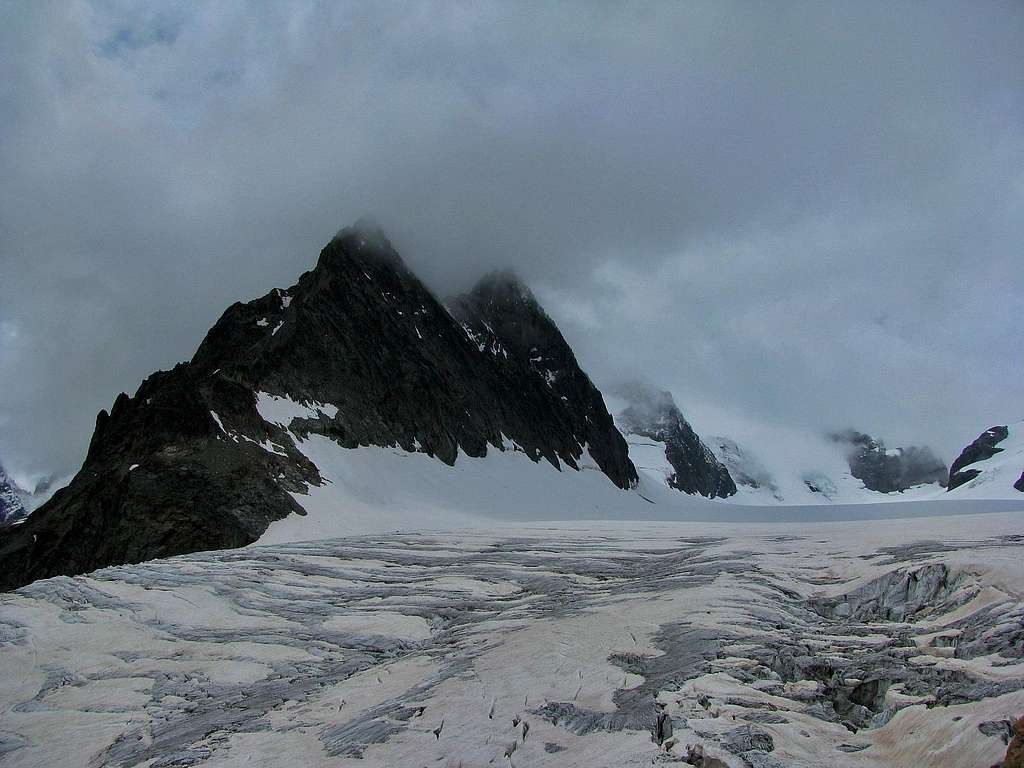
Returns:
<point x="189" y="464"/>
<point x="534" y="363"/>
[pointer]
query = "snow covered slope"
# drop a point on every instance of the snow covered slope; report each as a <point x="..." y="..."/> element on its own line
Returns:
<point x="800" y="468"/>
<point x="373" y="489"/>
<point x="589" y="645"/>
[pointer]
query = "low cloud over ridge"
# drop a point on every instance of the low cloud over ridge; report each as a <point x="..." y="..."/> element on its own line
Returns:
<point x="808" y="215"/>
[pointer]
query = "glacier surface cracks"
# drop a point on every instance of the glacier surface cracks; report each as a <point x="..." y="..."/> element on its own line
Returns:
<point x="535" y="646"/>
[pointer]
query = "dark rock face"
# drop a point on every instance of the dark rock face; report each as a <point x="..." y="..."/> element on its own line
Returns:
<point x="183" y="465"/>
<point x="886" y="471"/>
<point x="534" y="373"/>
<point x="654" y="414"/>
<point x="12" y="508"/>
<point x="160" y="478"/>
<point x="984" y="447"/>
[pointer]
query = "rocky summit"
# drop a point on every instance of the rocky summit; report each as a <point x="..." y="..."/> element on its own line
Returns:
<point x="653" y="414"/>
<point x="189" y="463"/>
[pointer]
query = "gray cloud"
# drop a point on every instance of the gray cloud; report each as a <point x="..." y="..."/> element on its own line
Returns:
<point x="804" y="214"/>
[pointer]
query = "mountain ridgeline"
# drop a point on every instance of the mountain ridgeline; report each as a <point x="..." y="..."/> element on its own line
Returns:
<point x="188" y="463"/>
<point x="209" y="454"/>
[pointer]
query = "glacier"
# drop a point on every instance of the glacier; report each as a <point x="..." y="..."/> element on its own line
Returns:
<point x="554" y="642"/>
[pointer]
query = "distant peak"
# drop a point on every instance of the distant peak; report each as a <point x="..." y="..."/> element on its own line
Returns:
<point x="502" y="286"/>
<point x="646" y="397"/>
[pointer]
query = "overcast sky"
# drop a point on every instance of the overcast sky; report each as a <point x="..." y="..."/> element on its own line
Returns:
<point x="787" y="214"/>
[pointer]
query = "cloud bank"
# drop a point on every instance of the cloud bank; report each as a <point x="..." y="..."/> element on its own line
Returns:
<point x="806" y="214"/>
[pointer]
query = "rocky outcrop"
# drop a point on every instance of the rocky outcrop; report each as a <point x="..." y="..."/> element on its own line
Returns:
<point x="885" y="470"/>
<point x="984" y="447"/>
<point x="188" y="463"/>
<point x="653" y="414"/>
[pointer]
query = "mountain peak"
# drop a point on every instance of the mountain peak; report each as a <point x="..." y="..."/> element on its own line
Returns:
<point x="648" y="403"/>
<point x="692" y="466"/>
<point x="502" y="286"/>
<point x="366" y="228"/>
<point x="358" y="352"/>
<point x="364" y="241"/>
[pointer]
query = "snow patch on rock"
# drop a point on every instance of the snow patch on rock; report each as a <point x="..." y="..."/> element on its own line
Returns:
<point x="281" y="409"/>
